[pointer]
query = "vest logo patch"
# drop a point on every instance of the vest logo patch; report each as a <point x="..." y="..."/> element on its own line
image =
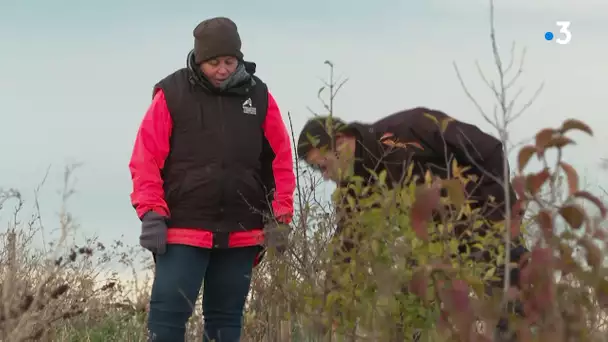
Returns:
<point x="389" y="139"/>
<point x="248" y="107"/>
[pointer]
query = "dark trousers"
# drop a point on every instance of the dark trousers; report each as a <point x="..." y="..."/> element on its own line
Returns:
<point x="226" y="278"/>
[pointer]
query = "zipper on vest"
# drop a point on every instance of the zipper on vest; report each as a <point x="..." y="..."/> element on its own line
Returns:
<point x="222" y="160"/>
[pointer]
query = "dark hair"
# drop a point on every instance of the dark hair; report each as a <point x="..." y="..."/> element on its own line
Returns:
<point x="319" y="132"/>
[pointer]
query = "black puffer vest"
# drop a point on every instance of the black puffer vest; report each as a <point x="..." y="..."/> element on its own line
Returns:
<point x="218" y="173"/>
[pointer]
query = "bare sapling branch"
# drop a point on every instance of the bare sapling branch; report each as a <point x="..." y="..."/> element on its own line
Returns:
<point x="503" y="115"/>
<point x="334" y="86"/>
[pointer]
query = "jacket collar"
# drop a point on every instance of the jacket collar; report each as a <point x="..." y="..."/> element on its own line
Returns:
<point x="240" y="86"/>
<point x="368" y="151"/>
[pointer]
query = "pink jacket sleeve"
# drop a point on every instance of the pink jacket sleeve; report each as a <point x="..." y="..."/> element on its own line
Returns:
<point x="282" y="164"/>
<point x="148" y="158"/>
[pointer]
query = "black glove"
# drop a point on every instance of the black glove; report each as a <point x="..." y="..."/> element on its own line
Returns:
<point x="154" y="233"/>
<point x="276" y="236"/>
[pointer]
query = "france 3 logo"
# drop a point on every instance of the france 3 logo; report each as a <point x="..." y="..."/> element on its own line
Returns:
<point x="565" y="35"/>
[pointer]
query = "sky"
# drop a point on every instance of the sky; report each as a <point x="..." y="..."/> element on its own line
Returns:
<point x="76" y="77"/>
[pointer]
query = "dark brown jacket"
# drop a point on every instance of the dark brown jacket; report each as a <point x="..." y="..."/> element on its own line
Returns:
<point x="424" y="138"/>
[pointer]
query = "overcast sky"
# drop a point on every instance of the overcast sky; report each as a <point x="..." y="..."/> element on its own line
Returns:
<point x="76" y="76"/>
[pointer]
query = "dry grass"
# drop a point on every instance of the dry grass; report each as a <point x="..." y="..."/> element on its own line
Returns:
<point x="73" y="293"/>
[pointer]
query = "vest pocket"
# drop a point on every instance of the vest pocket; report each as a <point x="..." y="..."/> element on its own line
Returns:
<point x="197" y="189"/>
<point x="172" y="190"/>
<point x="249" y="190"/>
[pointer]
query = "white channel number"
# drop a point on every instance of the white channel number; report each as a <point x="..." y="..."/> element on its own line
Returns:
<point x="564" y="29"/>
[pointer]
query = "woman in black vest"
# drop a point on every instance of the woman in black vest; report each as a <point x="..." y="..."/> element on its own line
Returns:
<point x="213" y="180"/>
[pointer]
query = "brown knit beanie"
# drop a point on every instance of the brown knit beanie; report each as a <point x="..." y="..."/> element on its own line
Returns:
<point x="216" y="37"/>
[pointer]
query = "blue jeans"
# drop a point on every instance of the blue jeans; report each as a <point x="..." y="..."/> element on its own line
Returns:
<point x="226" y="274"/>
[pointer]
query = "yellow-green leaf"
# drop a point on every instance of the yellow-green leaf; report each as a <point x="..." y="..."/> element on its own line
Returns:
<point x="432" y="117"/>
<point x="444" y="124"/>
<point x="490" y="273"/>
<point x="455" y="192"/>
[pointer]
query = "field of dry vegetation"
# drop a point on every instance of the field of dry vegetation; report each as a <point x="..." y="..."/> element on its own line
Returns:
<point x="58" y="291"/>
<point x="64" y="292"/>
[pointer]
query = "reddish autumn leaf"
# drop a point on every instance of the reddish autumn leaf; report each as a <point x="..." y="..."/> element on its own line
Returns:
<point x="539" y="261"/>
<point x="571" y="176"/>
<point x="525" y="258"/>
<point x="456" y="301"/>
<point x="545" y="222"/>
<point x="464" y="326"/>
<point x="541" y="256"/>
<point x="589" y="197"/>
<point x="573" y="214"/>
<point x="479" y="337"/>
<point x="515" y="228"/>
<point x="524" y="334"/>
<point x="573" y="124"/>
<point x="524" y="156"/>
<point x="519" y="186"/>
<point x="443" y="321"/>
<point x="513" y="293"/>
<point x="537" y="283"/>
<point x="517" y="210"/>
<point x="599" y="234"/>
<point x="544" y="295"/>
<point x="542" y="139"/>
<point x="531" y="314"/>
<point x="534" y="182"/>
<point x="421" y="212"/>
<point x="420" y="282"/>
<point x="460" y="295"/>
<point x="455" y="296"/>
<point x="552" y="333"/>
<point x="559" y="142"/>
<point x="525" y="274"/>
